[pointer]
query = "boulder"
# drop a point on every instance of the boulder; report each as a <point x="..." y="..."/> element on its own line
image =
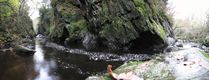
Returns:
<point x="185" y="64"/>
<point x="90" y="42"/>
<point x="24" y="50"/>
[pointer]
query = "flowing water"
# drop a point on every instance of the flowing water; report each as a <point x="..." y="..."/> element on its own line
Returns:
<point x="55" y="62"/>
<point x="43" y="66"/>
<point x="51" y="64"/>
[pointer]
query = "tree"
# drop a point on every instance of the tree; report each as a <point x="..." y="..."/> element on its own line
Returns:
<point x="14" y="20"/>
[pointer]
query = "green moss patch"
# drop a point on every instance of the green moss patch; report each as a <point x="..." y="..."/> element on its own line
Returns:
<point x="77" y="28"/>
<point x="121" y="30"/>
<point x="204" y="54"/>
<point x="157" y="28"/>
<point x="129" y="66"/>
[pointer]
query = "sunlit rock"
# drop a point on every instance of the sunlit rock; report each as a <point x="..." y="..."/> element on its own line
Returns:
<point x="187" y="63"/>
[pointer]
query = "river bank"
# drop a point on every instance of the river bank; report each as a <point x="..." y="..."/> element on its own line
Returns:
<point x="185" y="62"/>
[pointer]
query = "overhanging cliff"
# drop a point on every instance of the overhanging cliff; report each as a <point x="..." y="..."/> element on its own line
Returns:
<point x="113" y="24"/>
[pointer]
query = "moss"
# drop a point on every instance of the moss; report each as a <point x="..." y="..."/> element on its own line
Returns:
<point x="158" y="71"/>
<point x="54" y="32"/>
<point x="152" y="12"/>
<point x="140" y="6"/>
<point x="121" y="30"/>
<point x="158" y="28"/>
<point x="104" y="10"/>
<point x="118" y="22"/>
<point x="9" y="7"/>
<point x="155" y="70"/>
<point x="207" y="40"/>
<point x="204" y="54"/>
<point x="77" y="28"/>
<point x="67" y="10"/>
<point x="129" y="66"/>
<point x="160" y="31"/>
<point x="105" y="77"/>
<point x="51" y="30"/>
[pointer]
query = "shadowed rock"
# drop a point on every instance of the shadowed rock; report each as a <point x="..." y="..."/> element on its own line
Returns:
<point x="24" y="50"/>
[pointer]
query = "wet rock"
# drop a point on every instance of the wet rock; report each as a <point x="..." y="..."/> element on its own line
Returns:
<point x="119" y="22"/>
<point x="206" y="49"/>
<point x="188" y="64"/>
<point x="184" y="64"/>
<point x="170" y="41"/>
<point x="206" y="43"/>
<point x="195" y="45"/>
<point x="179" y="43"/>
<point x="93" y="78"/>
<point x="90" y="41"/>
<point x="66" y="42"/>
<point x="24" y="49"/>
<point x="170" y="49"/>
<point x="41" y="38"/>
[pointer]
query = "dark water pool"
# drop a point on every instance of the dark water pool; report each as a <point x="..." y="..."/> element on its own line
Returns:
<point x="49" y="63"/>
<point x="67" y="66"/>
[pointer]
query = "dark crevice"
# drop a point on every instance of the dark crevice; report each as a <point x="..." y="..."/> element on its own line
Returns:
<point x="145" y="43"/>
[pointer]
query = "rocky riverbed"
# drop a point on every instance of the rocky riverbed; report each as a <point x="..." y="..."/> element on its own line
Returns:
<point x="186" y="62"/>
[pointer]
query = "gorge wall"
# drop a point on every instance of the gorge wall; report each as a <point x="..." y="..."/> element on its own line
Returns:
<point x="112" y="24"/>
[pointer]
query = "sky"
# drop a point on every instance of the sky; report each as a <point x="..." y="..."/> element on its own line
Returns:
<point x="183" y="9"/>
<point x="189" y="9"/>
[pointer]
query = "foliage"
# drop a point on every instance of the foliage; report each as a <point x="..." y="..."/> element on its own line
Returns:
<point x="8" y="7"/>
<point x="46" y="20"/>
<point x="61" y="21"/>
<point x="191" y="30"/>
<point x="129" y="66"/>
<point x="14" y="23"/>
<point x="77" y="28"/>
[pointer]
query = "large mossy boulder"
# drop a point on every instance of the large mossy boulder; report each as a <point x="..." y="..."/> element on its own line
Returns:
<point x="115" y="24"/>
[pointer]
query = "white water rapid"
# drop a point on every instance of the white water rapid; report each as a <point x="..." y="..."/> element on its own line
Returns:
<point x="42" y="66"/>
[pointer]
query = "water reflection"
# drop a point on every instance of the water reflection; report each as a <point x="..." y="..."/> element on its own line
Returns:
<point x="14" y="67"/>
<point x="42" y="66"/>
<point x="52" y="64"/>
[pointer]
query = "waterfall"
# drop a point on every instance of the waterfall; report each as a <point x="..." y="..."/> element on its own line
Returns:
<point x="33" y="12"/>
<point x="42" y="66"/>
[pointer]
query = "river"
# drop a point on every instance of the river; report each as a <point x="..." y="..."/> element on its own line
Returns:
<point x="51" y="64"/>
<point x="52" y="61"/>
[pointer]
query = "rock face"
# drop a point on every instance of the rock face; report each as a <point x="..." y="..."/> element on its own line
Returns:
<point x="114" y="24"/>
